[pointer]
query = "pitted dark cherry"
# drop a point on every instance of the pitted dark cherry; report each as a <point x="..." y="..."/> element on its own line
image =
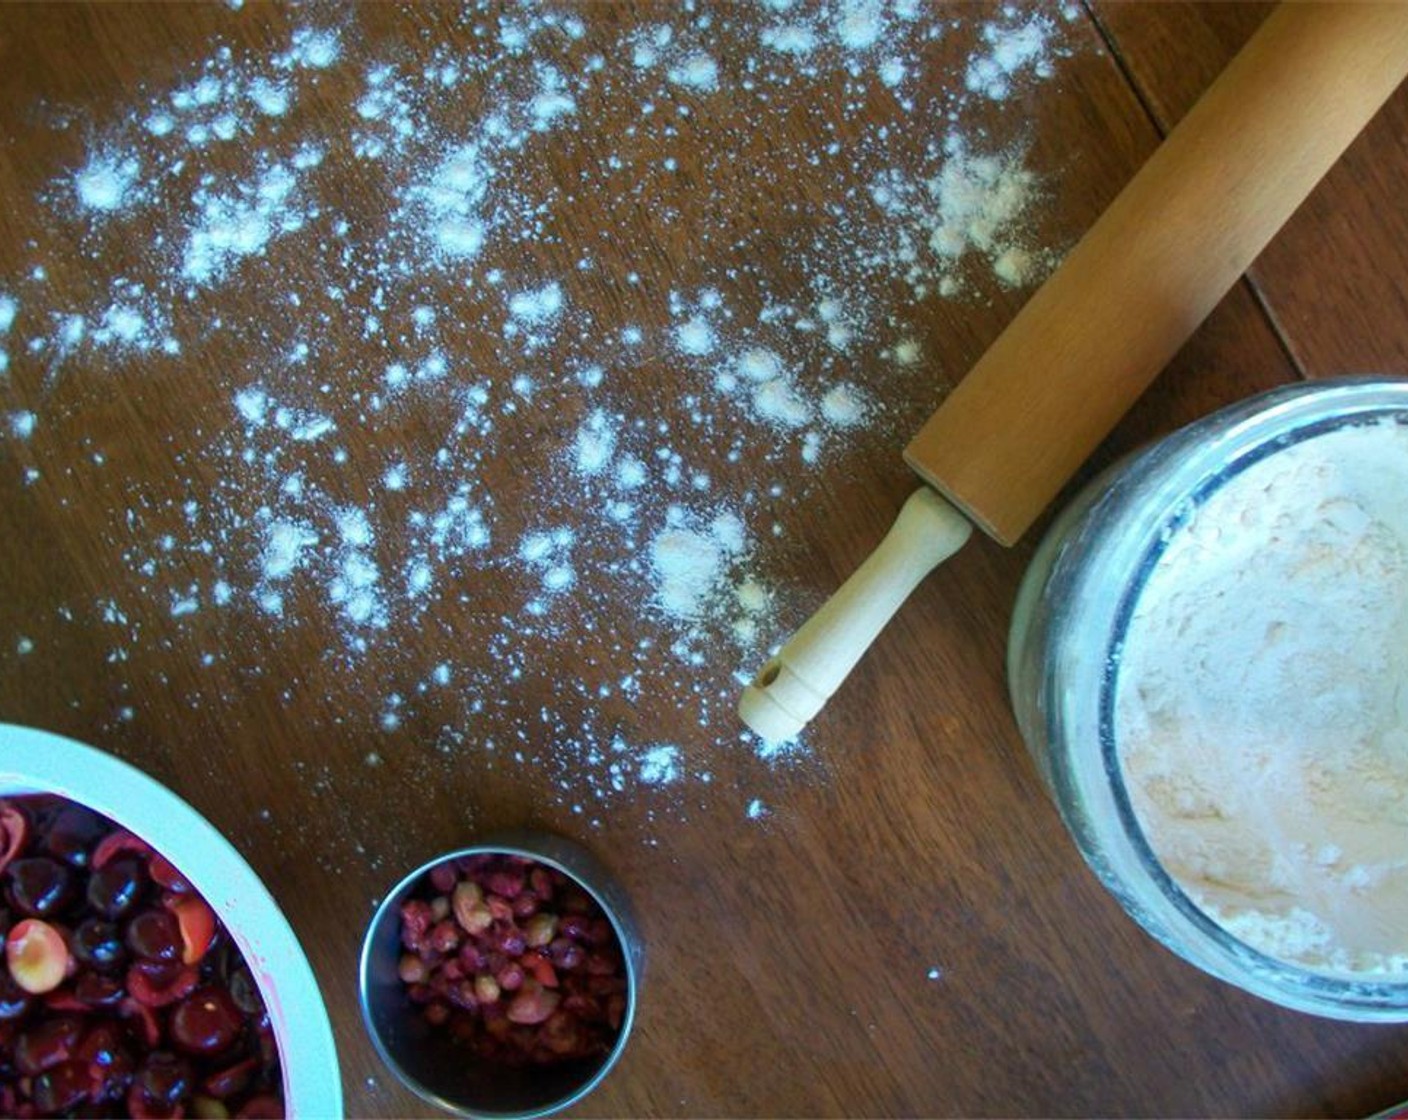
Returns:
<point x="121" y="993"/>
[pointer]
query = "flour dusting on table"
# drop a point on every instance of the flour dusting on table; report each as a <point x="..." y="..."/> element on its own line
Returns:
<point x="357" y="248"/>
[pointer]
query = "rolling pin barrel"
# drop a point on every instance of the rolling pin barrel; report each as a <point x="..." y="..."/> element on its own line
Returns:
<point x="1089" y="342"/>
<point x="1159" y="259"/>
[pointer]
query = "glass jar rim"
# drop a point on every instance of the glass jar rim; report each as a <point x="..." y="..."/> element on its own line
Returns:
<point x="1154" y="495"/>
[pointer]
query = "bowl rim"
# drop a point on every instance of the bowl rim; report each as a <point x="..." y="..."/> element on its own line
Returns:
<point x="35" y="761"/>
<point x="519" y="843"/>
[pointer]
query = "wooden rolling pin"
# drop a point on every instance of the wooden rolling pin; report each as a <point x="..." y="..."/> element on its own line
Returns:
<point x="1099" y="330"/>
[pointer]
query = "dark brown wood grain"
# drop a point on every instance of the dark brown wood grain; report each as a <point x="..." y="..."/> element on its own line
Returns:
<point x="788" y="959"/>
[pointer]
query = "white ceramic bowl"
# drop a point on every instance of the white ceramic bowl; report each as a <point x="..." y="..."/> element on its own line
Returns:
<point x="39" y="762"/>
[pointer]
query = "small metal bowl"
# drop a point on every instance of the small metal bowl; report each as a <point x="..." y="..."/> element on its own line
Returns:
<point x="429" y="1061"/>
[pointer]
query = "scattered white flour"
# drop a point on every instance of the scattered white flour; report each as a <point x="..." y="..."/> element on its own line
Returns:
<point x="1012" y="49"/>
<point x="239" y="222"/>
<point x="313" y="48"/>
<point x="695" y="337"/>
<point x="845" y="406"/>
<point x="285" y="544"/>
<point x="760" y="364"/>
<point x="698" y="71"/>
<point x="104" y="184"/>
<point x="974" y="206"/>
<point x="272" y="98"/>
<point x="541" y="305"/>
<point x="550" y="554"/>
<point x="354" y="585"/>
<point x="859" y="24"/>
<point x="185" y="606"/>
<point x="453" y="201"/>
<point x="907" y="353"/>
<point x="790" y="38"/>
<point x="377" y="260"/>
<point x="9" y="308"/>
<point x="252" y="403"/>
<point x="596" y="443"/>
<point x="1014" y="267"/>
<point x="1259" y="710"/>
<point x="660" y="766"/>
<point x="777" y="402"/>
<point x="689" y="564"/>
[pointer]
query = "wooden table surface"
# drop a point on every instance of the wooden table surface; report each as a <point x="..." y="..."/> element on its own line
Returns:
<point x="900" y="925"/>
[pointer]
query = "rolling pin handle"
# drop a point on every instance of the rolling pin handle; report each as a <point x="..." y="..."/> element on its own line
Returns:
<point x="798" y="681"/>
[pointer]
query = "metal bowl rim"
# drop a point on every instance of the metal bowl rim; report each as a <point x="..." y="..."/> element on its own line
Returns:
<point x="626" y="938"/>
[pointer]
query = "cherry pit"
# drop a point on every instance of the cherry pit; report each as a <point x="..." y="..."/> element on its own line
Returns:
<point x="515" y="959"/>
<point x="121" y="991"/>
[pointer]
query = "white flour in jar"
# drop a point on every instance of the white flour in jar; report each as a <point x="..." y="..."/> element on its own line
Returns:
<point x="1262" y="703"/>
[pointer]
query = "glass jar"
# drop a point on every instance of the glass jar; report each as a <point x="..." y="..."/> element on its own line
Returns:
<point x="1071" y="616"/>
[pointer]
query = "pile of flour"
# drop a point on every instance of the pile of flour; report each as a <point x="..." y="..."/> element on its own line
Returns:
<point x="1262" y="705"/>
